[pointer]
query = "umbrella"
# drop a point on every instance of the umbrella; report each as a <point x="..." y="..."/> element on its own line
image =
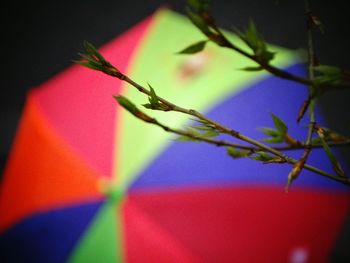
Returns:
<point x="87" y="182"/>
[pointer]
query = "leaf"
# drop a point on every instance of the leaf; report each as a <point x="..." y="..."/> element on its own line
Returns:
<point x="316" y="141"/>
<point x="252" y="37"/>
<point x="267" y="55"/>
<point x="191" y="132"/>
<point x="335" y="163"/>
<point x="262" y="156"/>
<point x="255" y="42"/>
<point x="252" y="68"/>
<point x="279" y="124"/>
<point x="204" y="122"/>
<point x="91" y="50"/>
<point x="210" y="133"/>
<point x="199" y="22"/>
<point x="184" y="138"/>
<point x="328" y="75"/>
<point x="276" y="136"/>
<point x="154" y="102"/>
<point x="194" y="48"/>
<point x="270" y="131"/>
<point x="160" y="107"/>
<point x="276" y="139"/>
<point x="206" y="130"/>
<point x="153" y="98"/>
<point x="202" y="127"/>
<point x="235" y="153"/>
<point x="327" y="69"/>
<point x="94" y="60"/>
<point x="89" y="65"/>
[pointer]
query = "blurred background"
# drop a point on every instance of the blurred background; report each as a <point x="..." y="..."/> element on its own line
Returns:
<point x="41" y="39"/>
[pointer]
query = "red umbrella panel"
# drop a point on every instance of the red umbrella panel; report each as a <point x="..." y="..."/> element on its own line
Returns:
<point x="87" y="182"/>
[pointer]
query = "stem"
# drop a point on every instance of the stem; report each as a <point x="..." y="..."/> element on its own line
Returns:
<point x="311" y="63"/>
<point x="301" y="163"/>
<point x="303" y="145"/>
<point x="273" y="70"/>
<point x="143" y="90"/>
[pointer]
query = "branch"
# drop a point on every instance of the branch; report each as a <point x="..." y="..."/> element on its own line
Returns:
<point x="298" y="167"/>
<point x="129" y="106"/>
<point x="95" y="61"/>
<point x="224" y="42"/>
<point x="202" y="19"/>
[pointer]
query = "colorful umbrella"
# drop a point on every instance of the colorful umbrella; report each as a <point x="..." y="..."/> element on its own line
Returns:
<point x="87" y="182"/>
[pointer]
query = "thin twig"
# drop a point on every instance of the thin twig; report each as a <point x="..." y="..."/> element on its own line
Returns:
<point x="303" y="145"/>
<point x="309" y="103"/>
<point x="311" y="64"/>
<point x="224" y="42"/>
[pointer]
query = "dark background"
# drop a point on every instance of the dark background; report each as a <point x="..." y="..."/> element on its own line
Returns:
<point x="41" y="39"/>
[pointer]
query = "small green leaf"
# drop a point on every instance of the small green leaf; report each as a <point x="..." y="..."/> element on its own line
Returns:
<point x="209" y="134"/>
<point x="335" y="163"/>
<point x="328" y="75"/>
<point x="88" y="58"/>
<point x="91" y="50"/>
<point x="192" y="133"/>
<point x="159" y="106"/>
<point x="199" y="22"/>
<point x="276" y="139"/>
<point x="89" y="65"/>
<point x="327" y="69"/>
<point x="204" y="122"/>
<point x="194" y="48"/>
<point x="235" y="153"/>
<point x="184" y="138"/>
<point x="270" y="131"/>
<point x="94" y="60"/>
<point x="202" y="127"/>
<point x="256" y="43"/>
<point x="262" y="156"/>
<point x="280" y="125"/>
<point x="153" y="99"/>
<point x="316" y="140"/>
<point x="267" y="55"/>
<point x="154" y="102"/>
<point x="252" y="68"/>
<point x="251" y="36"/>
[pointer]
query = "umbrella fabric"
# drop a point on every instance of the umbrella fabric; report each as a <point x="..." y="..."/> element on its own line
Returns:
<point x="87" y="182"/>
